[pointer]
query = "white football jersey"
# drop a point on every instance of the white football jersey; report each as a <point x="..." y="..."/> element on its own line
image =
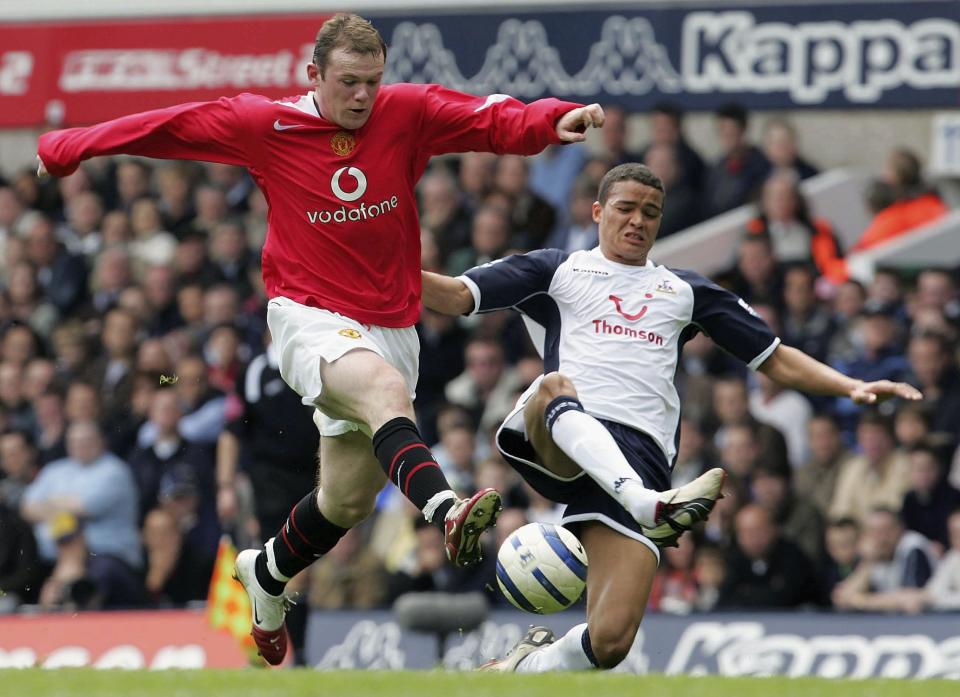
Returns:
<point x="617" y="331"/>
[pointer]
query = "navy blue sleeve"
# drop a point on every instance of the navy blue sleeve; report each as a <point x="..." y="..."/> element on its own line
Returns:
<point x="727" y="319"/>
<point x="509" y="281"/>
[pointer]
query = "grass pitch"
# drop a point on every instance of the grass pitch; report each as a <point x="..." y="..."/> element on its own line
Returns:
<point x="304" y="683"/>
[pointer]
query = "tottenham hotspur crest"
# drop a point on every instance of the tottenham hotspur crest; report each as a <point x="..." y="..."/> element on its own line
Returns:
<point x="665" y="287"/>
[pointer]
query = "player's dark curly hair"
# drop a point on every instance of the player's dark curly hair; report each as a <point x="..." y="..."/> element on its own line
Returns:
<point x="629" y="171"/>
<point x="350" y="32"/>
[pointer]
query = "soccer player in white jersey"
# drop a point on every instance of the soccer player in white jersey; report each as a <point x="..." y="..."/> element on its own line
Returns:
<point x="598" y="431"/>
<point x="338" y="166"/>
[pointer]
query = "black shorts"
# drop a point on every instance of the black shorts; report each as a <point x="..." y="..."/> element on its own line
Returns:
<point x="583" y="497"/>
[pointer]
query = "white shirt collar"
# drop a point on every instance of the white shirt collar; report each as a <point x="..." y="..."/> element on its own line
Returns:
<point x="596" y="252"/>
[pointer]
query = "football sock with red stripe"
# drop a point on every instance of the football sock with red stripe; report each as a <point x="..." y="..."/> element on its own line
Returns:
<point x="305" y="537"/>
<point x="409" y="464"/>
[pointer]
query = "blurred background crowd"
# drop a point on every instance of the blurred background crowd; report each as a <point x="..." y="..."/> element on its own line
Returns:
<point x="142" y="414"/>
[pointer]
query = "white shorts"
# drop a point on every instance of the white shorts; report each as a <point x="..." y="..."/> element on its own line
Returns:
<point x="304" y="337"/>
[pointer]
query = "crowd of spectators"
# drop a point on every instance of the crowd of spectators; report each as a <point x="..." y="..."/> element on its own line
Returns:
<point x="142" y="414"/>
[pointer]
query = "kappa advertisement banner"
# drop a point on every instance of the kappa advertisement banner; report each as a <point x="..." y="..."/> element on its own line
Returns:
<point x="897" y="55"/>
<point x="743" y="644"/>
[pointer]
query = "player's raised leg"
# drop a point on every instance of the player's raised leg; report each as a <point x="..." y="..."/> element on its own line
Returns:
<point x="350" y="479"/>
<point x="568" y="440"/>
<point x="618" y="584"/>
<point x="362" y="387"/>
<point x="368" y="396"/>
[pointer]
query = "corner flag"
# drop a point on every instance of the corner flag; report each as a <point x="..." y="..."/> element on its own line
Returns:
<point x="228" y="606"/>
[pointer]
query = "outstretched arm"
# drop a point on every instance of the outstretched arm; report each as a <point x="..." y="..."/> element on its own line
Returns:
<point x="453" y="121"/>
<point x="498" y="285"/>
<point x="794" y="368"/>
<point x="211" y="131"/>
<point x="446" y="295"/>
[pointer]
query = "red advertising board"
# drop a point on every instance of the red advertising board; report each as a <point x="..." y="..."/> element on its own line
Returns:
<point x="154" y="639"/>
<point x="79" y="73"/>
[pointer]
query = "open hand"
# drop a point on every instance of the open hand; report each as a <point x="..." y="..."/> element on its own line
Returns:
<point x="882" y="390"/>
<point x="571" y="126"/>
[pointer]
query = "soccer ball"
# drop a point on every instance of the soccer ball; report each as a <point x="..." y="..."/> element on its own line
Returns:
<point x="542" y="568"/>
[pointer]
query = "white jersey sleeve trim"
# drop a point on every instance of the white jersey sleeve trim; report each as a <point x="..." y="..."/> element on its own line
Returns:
<point x="758" y="361"/>
<point x="474" y="291"/>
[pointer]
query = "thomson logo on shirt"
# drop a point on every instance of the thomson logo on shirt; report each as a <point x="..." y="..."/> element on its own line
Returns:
<point x="602" y="326"/>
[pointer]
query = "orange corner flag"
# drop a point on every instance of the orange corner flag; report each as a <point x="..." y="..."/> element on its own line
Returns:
<point x="228" y="606"/>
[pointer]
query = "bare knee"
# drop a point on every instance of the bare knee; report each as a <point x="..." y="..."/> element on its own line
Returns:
<point x="555" y="385"/>
<point x="347" y="511"/>
<point x="390" y="397"/>
<point x="391" y="387"/>
<point x="362" y="386"/>
<point x="611" y="642"/>
<point x="552" y="386"/>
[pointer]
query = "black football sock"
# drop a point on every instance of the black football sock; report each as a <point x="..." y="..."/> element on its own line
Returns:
<point x="409" y="464"/>
<point x="305" y="536"/>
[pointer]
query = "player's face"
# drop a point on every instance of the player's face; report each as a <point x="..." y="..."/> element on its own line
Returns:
<point x="348" y="89"/>
<point x="629" y="221"/>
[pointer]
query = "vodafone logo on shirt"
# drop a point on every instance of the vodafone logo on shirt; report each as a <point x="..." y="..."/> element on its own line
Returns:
<point x="360" y="190"/>
<point x="355" y="182"/>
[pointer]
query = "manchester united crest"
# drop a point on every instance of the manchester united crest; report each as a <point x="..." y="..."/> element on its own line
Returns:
<point x="343" y="143"/>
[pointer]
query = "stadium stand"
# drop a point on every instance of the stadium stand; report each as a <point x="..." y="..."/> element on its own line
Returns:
<point x="133" y="279"/>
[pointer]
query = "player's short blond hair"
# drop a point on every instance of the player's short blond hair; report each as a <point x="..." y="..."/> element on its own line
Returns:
<point x="348" y="31"/>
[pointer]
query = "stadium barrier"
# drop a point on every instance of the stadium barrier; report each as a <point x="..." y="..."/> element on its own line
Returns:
<point x="127" y="640"/>
<point x="710" y="247"/>
<point x="741" y="644"/>
<point x="932" y="246"/>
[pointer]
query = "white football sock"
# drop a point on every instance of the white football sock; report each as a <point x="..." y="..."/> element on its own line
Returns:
<point x="272" y="562"/>
<point x="434" y="503"/>
<point x="564" y="654"/>
<point x="590" y="445"/>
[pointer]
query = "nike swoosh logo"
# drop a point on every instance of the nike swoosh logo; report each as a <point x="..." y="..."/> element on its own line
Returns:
<point x="256" y="618"/>
<point x="277" y="126"/>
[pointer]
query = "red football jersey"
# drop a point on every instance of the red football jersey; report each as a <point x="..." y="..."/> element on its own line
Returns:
<point x="343" y="228"/>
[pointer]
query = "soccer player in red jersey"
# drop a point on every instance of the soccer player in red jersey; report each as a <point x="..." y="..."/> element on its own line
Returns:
<point x="341" y="265"/>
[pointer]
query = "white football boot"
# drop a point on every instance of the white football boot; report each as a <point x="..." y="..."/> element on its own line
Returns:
<point x="269" y="611"/>
<point x="678" y="510"/>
